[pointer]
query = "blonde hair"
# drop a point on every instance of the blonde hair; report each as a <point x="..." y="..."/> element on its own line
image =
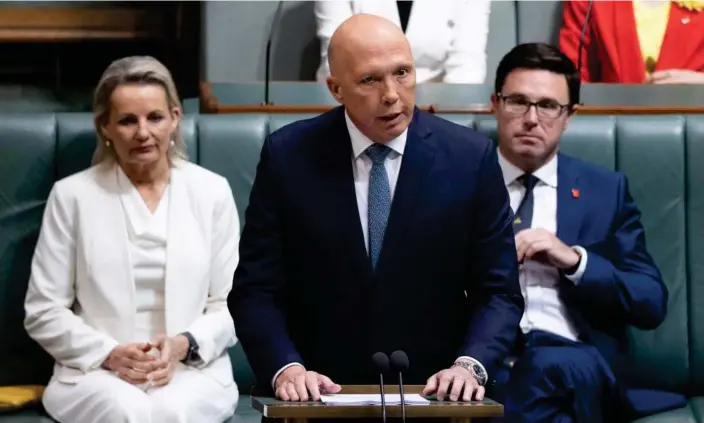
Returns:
<point x="133" y="70"/>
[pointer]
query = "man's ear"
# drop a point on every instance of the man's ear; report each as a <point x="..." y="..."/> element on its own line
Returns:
<point x="334" y="89"/>
<point x="494" y="99"/>
<point x="572" y="111"/>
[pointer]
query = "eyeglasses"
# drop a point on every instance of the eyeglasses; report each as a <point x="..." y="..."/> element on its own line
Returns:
<point x="519" y="105"/>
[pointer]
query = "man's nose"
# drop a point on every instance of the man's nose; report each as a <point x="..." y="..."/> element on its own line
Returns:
<point x="390" y="95"/>
<point x="531" y="115"/>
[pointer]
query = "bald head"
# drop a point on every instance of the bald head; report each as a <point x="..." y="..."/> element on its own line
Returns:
<point x="360" y="34"/>
<point x="372" y="75"/>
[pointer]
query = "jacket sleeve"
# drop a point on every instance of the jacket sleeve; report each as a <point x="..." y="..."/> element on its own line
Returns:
<point x="494" y="292"/>
<point x="214" y="330"/>
<point x="49" y="319"/>
<point x="574" y="14"/>
<point x="620" y="276"/>
<point x="256" y="299"/>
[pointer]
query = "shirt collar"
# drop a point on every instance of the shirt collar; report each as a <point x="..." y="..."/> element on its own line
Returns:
<point x="546" y="173"/>
<point x="361" y="142"/>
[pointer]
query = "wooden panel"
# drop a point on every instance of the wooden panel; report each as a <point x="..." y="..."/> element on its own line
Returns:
<point x="45" y="23"/>
<point x="270" y="407"/>
<point x="209" y="104"/>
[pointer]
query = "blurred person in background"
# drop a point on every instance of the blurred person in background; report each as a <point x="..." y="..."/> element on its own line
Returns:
<point x="448" y="38"/>
<point x="639" y="41"/>
<point x="133" y="266"/>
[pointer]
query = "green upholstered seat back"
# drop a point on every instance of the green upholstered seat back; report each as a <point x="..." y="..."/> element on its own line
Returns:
<point x="694" y="246"/>
<point x="27" y="172"/>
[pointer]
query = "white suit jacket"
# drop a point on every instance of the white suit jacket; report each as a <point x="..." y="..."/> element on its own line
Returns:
<point x="448" y="37"/>
<point x="80" y="302"/>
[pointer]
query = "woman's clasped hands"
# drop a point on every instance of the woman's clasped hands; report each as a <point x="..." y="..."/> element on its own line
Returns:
<point x="146" y="362"/>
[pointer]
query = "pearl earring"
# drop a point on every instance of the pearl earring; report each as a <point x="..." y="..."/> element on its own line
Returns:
<point x="107" y="144"/>
<point x="171" y="143"/>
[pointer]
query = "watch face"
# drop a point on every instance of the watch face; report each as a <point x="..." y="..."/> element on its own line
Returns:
<point x="478" y="371"/>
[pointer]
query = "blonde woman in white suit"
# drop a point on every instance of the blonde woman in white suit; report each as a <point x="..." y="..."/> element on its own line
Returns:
<point x="448" y="37"/>
<point x="133" y="266"/>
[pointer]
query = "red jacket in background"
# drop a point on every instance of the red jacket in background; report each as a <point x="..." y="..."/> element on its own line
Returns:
<point x="611" y="47"/>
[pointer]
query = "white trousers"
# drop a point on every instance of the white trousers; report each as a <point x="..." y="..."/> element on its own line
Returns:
<point x="101" y="397"/>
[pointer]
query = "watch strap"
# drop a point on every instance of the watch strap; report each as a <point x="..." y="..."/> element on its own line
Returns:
<point x="192" y="353"/>
<point x="475" y="369"/>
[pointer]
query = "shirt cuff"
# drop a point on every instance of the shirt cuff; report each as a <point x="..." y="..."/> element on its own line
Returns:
<point x="475" y="361"/>
<point x="576" y="277"/>
<point x="273" y="379"/>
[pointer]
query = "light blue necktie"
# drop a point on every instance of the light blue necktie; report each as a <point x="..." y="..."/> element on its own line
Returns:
<point x="379" y="200"/>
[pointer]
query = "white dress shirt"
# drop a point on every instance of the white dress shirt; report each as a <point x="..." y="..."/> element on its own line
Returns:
<point x="539" y="283"/>
<point x="361" y="168"/>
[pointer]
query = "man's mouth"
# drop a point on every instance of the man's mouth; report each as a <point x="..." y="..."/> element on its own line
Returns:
<point x="390" y="117"/>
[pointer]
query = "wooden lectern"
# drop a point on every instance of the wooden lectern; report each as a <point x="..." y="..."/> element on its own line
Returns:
<point x="300" y="412"/>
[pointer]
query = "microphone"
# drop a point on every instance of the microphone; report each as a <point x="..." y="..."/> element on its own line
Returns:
<point x="381" y="361"/>
<point x="267" y="59"/>
<point x="399" y="361"/>
<point x="585" y="25"/>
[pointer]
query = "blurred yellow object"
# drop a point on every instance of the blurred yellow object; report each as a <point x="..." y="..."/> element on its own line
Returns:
<point x="15" y="397"/>
<point x="694" y="5"/>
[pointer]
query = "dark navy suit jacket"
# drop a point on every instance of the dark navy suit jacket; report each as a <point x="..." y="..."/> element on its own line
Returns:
<point x="621" y="285"/>
<point x="304" y="290"/>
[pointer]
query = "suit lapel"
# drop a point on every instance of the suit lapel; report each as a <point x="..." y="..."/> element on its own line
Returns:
<point x="109" y="242"/>
<point x="570" y="213"/>
<point x="337" y="182"/>
<point x="570" y="202"/>
<point x="410" y="189"/>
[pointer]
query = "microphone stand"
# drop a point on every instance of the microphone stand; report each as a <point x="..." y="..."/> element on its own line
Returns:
<point x="403" y="400"/>
<point x="399" y="360"/>
<point x="383" y="399"/>
<point x="267" y="58"/>
<point x="381" y="361"/>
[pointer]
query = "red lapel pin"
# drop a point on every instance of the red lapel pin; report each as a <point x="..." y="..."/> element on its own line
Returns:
<point x="575" y="193"/>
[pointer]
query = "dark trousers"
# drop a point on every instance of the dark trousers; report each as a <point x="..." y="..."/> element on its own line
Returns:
<point x="555" y="380"/>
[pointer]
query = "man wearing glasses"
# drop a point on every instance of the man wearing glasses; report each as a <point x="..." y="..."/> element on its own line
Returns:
<point x="586" y="274"/>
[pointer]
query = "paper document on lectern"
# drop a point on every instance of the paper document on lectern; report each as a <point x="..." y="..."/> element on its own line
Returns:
<point x="372" y="399"/>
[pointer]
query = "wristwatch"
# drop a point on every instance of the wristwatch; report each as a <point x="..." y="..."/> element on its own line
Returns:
<point x="475" y="369"/>
<point x="192" y="353"/>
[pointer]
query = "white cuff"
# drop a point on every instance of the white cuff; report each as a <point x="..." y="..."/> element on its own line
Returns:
<point x="576" y="277"/>
<point x="273" y="379"/>
<point x="475" y="361"/>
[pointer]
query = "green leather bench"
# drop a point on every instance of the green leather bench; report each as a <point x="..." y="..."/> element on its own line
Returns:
<point x="662" y="155"/>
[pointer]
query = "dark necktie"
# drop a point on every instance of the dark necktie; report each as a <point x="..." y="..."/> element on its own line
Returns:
<point x="524" y="214"/>
<point x="404" y="12"/>
<point x="379" y="205"/>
